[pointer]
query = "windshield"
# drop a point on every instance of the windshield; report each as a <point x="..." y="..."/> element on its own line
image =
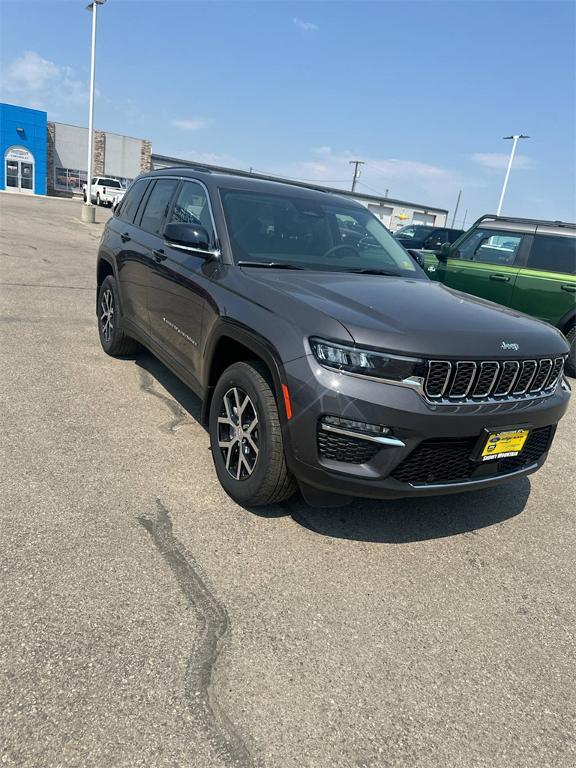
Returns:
<point x="310" y="234"/>
<point x="417" y="232"/>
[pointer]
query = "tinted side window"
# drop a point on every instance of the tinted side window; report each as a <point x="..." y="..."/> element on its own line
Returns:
<point x="127" y="209"/>
<point x="454" y="235"/>
<point x="192" y="207"/>
<point x="491" y="246"/>
<point x="157" y="204"/>
<point x="553" y="254"/>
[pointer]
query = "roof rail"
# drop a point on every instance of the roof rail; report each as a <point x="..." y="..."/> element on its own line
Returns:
<point x="519" y="220"/>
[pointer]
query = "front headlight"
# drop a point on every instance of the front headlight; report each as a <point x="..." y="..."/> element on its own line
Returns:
<point x="366" y="362"/>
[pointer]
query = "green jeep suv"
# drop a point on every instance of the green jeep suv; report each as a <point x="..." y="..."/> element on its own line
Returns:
<point x="525" y="264"/>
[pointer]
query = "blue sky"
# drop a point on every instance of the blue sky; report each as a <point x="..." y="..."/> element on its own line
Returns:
<point x="423" y="92"/>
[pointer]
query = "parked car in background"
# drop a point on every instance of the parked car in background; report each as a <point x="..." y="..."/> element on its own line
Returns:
<point x="323" y="360"/>
<point x="426" y="238"/>
<point x="525" y="264"/>
<point x="105" y="191"/>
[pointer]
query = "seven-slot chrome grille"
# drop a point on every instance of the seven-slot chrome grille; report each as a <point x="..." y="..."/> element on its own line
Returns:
<point x="470" y="381"/>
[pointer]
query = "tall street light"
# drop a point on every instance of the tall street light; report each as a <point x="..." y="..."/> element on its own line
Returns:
<point x="511" y="159"/>
<point x="88" y="211"/>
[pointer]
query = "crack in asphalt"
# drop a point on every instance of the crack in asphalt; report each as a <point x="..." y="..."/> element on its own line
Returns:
<point x="60" y="287"/>
<point x="213" y="630"/>
<point x="181" y="417"/>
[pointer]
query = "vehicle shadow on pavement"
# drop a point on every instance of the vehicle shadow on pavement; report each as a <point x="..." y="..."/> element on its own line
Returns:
<point x="398" y="521"/>
<point x="181" y="401"/>
<point x="402" y="521"/>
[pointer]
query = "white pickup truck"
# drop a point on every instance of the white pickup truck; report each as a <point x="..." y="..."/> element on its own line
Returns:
<point x="105" y="191"/>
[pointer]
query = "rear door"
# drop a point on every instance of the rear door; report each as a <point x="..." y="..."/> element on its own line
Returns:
<point x="546" y="285"/>
<point x="485" y="264"/>
<point x="179" y="281"/>
<point x="130" y="258"/>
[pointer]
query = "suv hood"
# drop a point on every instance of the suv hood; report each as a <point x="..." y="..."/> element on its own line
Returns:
<point x="412" y="316"/>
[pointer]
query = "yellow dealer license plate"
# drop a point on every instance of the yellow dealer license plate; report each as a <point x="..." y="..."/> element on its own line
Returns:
<point x="503" y="445"/>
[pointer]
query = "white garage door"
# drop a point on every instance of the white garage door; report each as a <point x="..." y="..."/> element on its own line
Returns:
<point x="382" y="212"/>
<point x="423" y="218"/>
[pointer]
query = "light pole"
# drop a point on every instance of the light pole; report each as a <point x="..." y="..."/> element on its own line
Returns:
<point x="88" y="211"/>
<point x="512" y="152"/>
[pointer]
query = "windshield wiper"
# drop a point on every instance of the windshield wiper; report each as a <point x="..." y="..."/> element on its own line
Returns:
<point x="274" y="264"/>
<point x="373" y="271"/>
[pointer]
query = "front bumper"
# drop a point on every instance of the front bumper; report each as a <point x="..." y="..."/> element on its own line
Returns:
<point x="316" y="391"/>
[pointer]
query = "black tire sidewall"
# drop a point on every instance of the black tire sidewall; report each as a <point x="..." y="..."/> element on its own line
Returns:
<point x="571" y="361"/>
<point x="242" y="491"/>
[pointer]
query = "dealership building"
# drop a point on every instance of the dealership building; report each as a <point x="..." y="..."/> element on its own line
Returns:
<point x="42" y="157"/>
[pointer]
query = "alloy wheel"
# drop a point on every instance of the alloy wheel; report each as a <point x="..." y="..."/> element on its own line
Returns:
<point x="238" y="433"/>
<point x="107" y="314"/>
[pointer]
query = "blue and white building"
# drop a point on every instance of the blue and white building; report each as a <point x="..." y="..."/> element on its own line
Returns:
<point x="23" y="149"/>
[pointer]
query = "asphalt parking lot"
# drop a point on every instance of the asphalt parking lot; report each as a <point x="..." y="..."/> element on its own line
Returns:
<point x="147" y="620"/>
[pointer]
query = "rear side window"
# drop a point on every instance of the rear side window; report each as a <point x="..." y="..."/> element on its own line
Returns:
<point x="131" y="201"/>
<point x="156" y="206"/>
<point x="553" y="254"/>
<point x="110" y="183"/>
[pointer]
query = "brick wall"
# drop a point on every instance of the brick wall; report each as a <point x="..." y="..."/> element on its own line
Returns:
<point x="50" y="138"/>
<point x="99" y="153"/>
<point x="146" y="156"/>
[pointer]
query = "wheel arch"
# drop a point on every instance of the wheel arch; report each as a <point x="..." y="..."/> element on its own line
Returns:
<point x="231" y="343"/>
<point x="104" y="268"/>
<point x="567" y="321"/>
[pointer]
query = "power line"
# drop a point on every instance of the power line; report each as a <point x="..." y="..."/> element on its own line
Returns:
<point x="363" y="183"/>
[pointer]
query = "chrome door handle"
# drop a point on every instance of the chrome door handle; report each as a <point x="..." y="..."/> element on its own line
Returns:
<point x="500" y="278"/>
<point x="569" y="288"/>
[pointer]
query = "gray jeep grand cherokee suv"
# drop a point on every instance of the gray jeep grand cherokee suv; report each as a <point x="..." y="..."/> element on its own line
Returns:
<point x="324" y="362"/>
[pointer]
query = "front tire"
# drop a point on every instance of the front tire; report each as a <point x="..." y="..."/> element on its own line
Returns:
<point x="246" y="438"/>
<point x="571" y="361"/>
<point x="114" y="340"/>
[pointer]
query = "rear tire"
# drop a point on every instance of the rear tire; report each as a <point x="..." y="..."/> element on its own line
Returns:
<point x="114" y="340"/>
<point x="571" y="361"/>
<point x="246" y="438"/>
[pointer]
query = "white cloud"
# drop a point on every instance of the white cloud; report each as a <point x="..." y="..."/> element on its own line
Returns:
<point x="191" y="124"/>
<point x="43" y="84"/>
<point x="499" y="161"/>
<point x="406" y="179"/>
<point x="305" y="26"/>
<point x="30" y="72"/>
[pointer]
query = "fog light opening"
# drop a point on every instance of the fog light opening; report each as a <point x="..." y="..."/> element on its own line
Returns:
<point x="356" y="426"/>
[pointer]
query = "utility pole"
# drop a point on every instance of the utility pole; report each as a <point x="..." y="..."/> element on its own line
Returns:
<point x="88" y="212"/>
<point x="356" y="176"/>
<point x="456" y="209"/>
<point x="511" y="159"/>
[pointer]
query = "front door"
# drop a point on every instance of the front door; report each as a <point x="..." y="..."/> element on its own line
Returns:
<point x="19" y="168"/>
<point x="486" y="265"/>
<point x="179" y="283"/>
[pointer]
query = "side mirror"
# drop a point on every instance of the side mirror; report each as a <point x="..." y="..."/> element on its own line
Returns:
<point x="417" y="256"/>
<point x="188" y="236"/>
<point x="444" y="252"/>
